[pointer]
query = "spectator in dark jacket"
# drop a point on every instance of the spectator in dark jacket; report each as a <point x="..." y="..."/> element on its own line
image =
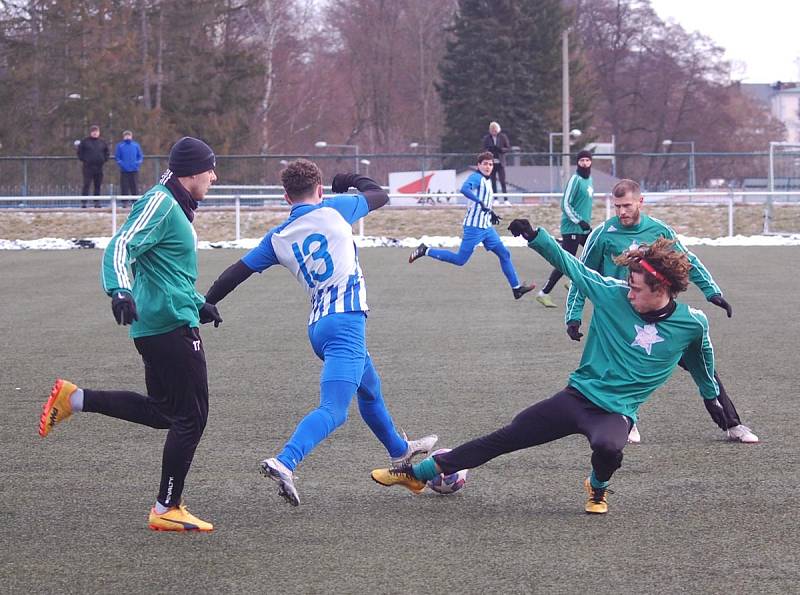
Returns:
<point x="93" y="153"/>
<point x="497" y="144"/>
<point x="129" y="158"/>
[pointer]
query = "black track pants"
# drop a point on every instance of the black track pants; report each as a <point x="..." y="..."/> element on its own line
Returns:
<point x="565" y="413"/>
<point x="177" y="400"/>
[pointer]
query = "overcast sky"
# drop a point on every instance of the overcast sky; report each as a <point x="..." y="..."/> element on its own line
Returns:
<point x="761" y="37"/>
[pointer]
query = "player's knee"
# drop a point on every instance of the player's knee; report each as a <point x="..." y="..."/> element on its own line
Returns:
<point x="462" y="258"/>
<point x="190" y="428"/>
<point x="502" y="252"/>
<point x="336" y="415"/>
<point x="608" y="451"/>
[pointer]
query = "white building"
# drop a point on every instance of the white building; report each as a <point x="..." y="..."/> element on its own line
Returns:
<point x="783" y="100"/>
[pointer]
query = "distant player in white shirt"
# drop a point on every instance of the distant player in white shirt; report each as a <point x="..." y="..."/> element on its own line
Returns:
<point x="316" y="244"/>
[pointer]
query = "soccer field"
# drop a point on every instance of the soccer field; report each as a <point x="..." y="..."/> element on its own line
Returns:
<point x="458" y="357"/>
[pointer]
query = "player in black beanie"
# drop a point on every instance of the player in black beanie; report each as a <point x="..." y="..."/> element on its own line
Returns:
<point x="158" y="299"/>
<point x="576" y="213"/>
<point x="191" y="156"/>
<point x="584" y="172"/>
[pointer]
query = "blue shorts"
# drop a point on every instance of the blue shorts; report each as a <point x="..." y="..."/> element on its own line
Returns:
<point x="475" y="235"/>
<point x="340" y="341"/>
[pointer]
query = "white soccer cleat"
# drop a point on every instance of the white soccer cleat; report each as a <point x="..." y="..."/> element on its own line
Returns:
<point x="415" y="447"/>
<point x="741" y="433"/>
<point x="280" y="473"/>
<point x="633" y="436"/>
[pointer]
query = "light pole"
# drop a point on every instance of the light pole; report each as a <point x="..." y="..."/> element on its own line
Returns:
<point x="321" y="144"/>
<point x="668" y="143"/>
<point x="574" y="133"/>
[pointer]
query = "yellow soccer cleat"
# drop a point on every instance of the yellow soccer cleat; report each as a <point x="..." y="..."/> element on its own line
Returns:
<point x="597" y="503"/>
<point x="177" y="518"/>
<point x="57" y="408"/>
<point x="398" y="476"/>
<point x="545" y="300"/>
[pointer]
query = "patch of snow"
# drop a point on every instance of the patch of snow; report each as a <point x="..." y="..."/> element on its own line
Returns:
<point x="373" y="242"/>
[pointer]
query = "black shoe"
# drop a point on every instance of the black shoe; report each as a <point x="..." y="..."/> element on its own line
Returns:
<point x="418" y="252"/>
<point x="522" y="290"/>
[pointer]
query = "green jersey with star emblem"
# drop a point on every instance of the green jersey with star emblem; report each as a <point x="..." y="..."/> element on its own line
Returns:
<point x="154" y="257"/>
<point x="576" y="204"/>
<point x="612" y="238"/>
<point x="626" y="358"/>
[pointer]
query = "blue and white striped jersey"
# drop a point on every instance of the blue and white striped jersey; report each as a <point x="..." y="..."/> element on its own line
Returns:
<point x="316" y="244"/>
<point x="477" y="189"/>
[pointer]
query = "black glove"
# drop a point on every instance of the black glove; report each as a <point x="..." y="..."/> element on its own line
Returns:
<point x="494" y="217"/>
<point x="717" y="413"/>
<point x="584" y="225"/>
<point x="123" y="307"/>
<point x="209" y="313"/>
<point x="522" y="227"/>
<point x="342" y="183"/>
<point x="720" y="301"/>
<point x="574" y="330"/>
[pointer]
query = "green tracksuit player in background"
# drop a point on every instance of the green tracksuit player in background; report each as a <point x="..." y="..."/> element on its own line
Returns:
<point x="576" y="214"/>
<point x="637" y="336"/>
<point x="627" y="230"/>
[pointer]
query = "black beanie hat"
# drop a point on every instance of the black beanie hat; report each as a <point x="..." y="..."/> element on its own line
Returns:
<point x="582" y="154"/>
<point x="190" y="156"/>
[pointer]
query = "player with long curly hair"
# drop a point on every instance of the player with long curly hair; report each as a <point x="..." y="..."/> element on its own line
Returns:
<point x="637" y="336"/>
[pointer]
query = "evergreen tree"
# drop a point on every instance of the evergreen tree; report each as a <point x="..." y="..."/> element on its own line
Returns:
<point x="503" y="63"/>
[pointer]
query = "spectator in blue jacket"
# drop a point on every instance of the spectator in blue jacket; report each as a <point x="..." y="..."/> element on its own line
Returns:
<point x="129" y="158"/>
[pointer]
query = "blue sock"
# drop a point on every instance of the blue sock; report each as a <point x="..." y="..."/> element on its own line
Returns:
<point x="596" y="483"/>
<point x="425" y="469"/>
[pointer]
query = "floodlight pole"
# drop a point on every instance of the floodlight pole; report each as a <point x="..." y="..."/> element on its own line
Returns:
<point x="565" y="106"/>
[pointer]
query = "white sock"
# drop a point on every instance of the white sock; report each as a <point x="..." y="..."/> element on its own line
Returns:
<point x="160" y="508"/>
<point x="76" y="400"/>
<point x="542" y="293"/>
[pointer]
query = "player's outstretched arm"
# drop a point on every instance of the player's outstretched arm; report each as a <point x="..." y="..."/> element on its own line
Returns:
<point x="227" y="282"/>
<point x="592" y="257"/>
<point x="372" y="191"/>
<point x="698" y="274"/>
<point x="589" y="282"/>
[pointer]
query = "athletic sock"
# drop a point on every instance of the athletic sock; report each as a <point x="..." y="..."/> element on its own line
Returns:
<point x="160" y="508"/>
<point x="425" y="469"/>
<point x="596" y="483"/>
<point x="76" y="400"/>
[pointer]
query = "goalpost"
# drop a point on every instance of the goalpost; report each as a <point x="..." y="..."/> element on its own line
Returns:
<point x="780" y="213"/>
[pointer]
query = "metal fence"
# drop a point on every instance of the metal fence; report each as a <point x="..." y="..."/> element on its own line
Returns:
<point x="249" y="198"/>
<point x="61" y="176"/>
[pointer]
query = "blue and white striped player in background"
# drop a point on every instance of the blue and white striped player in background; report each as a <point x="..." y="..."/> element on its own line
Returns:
<point x="316" y="244"/>
<point x="478" y="228"/>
